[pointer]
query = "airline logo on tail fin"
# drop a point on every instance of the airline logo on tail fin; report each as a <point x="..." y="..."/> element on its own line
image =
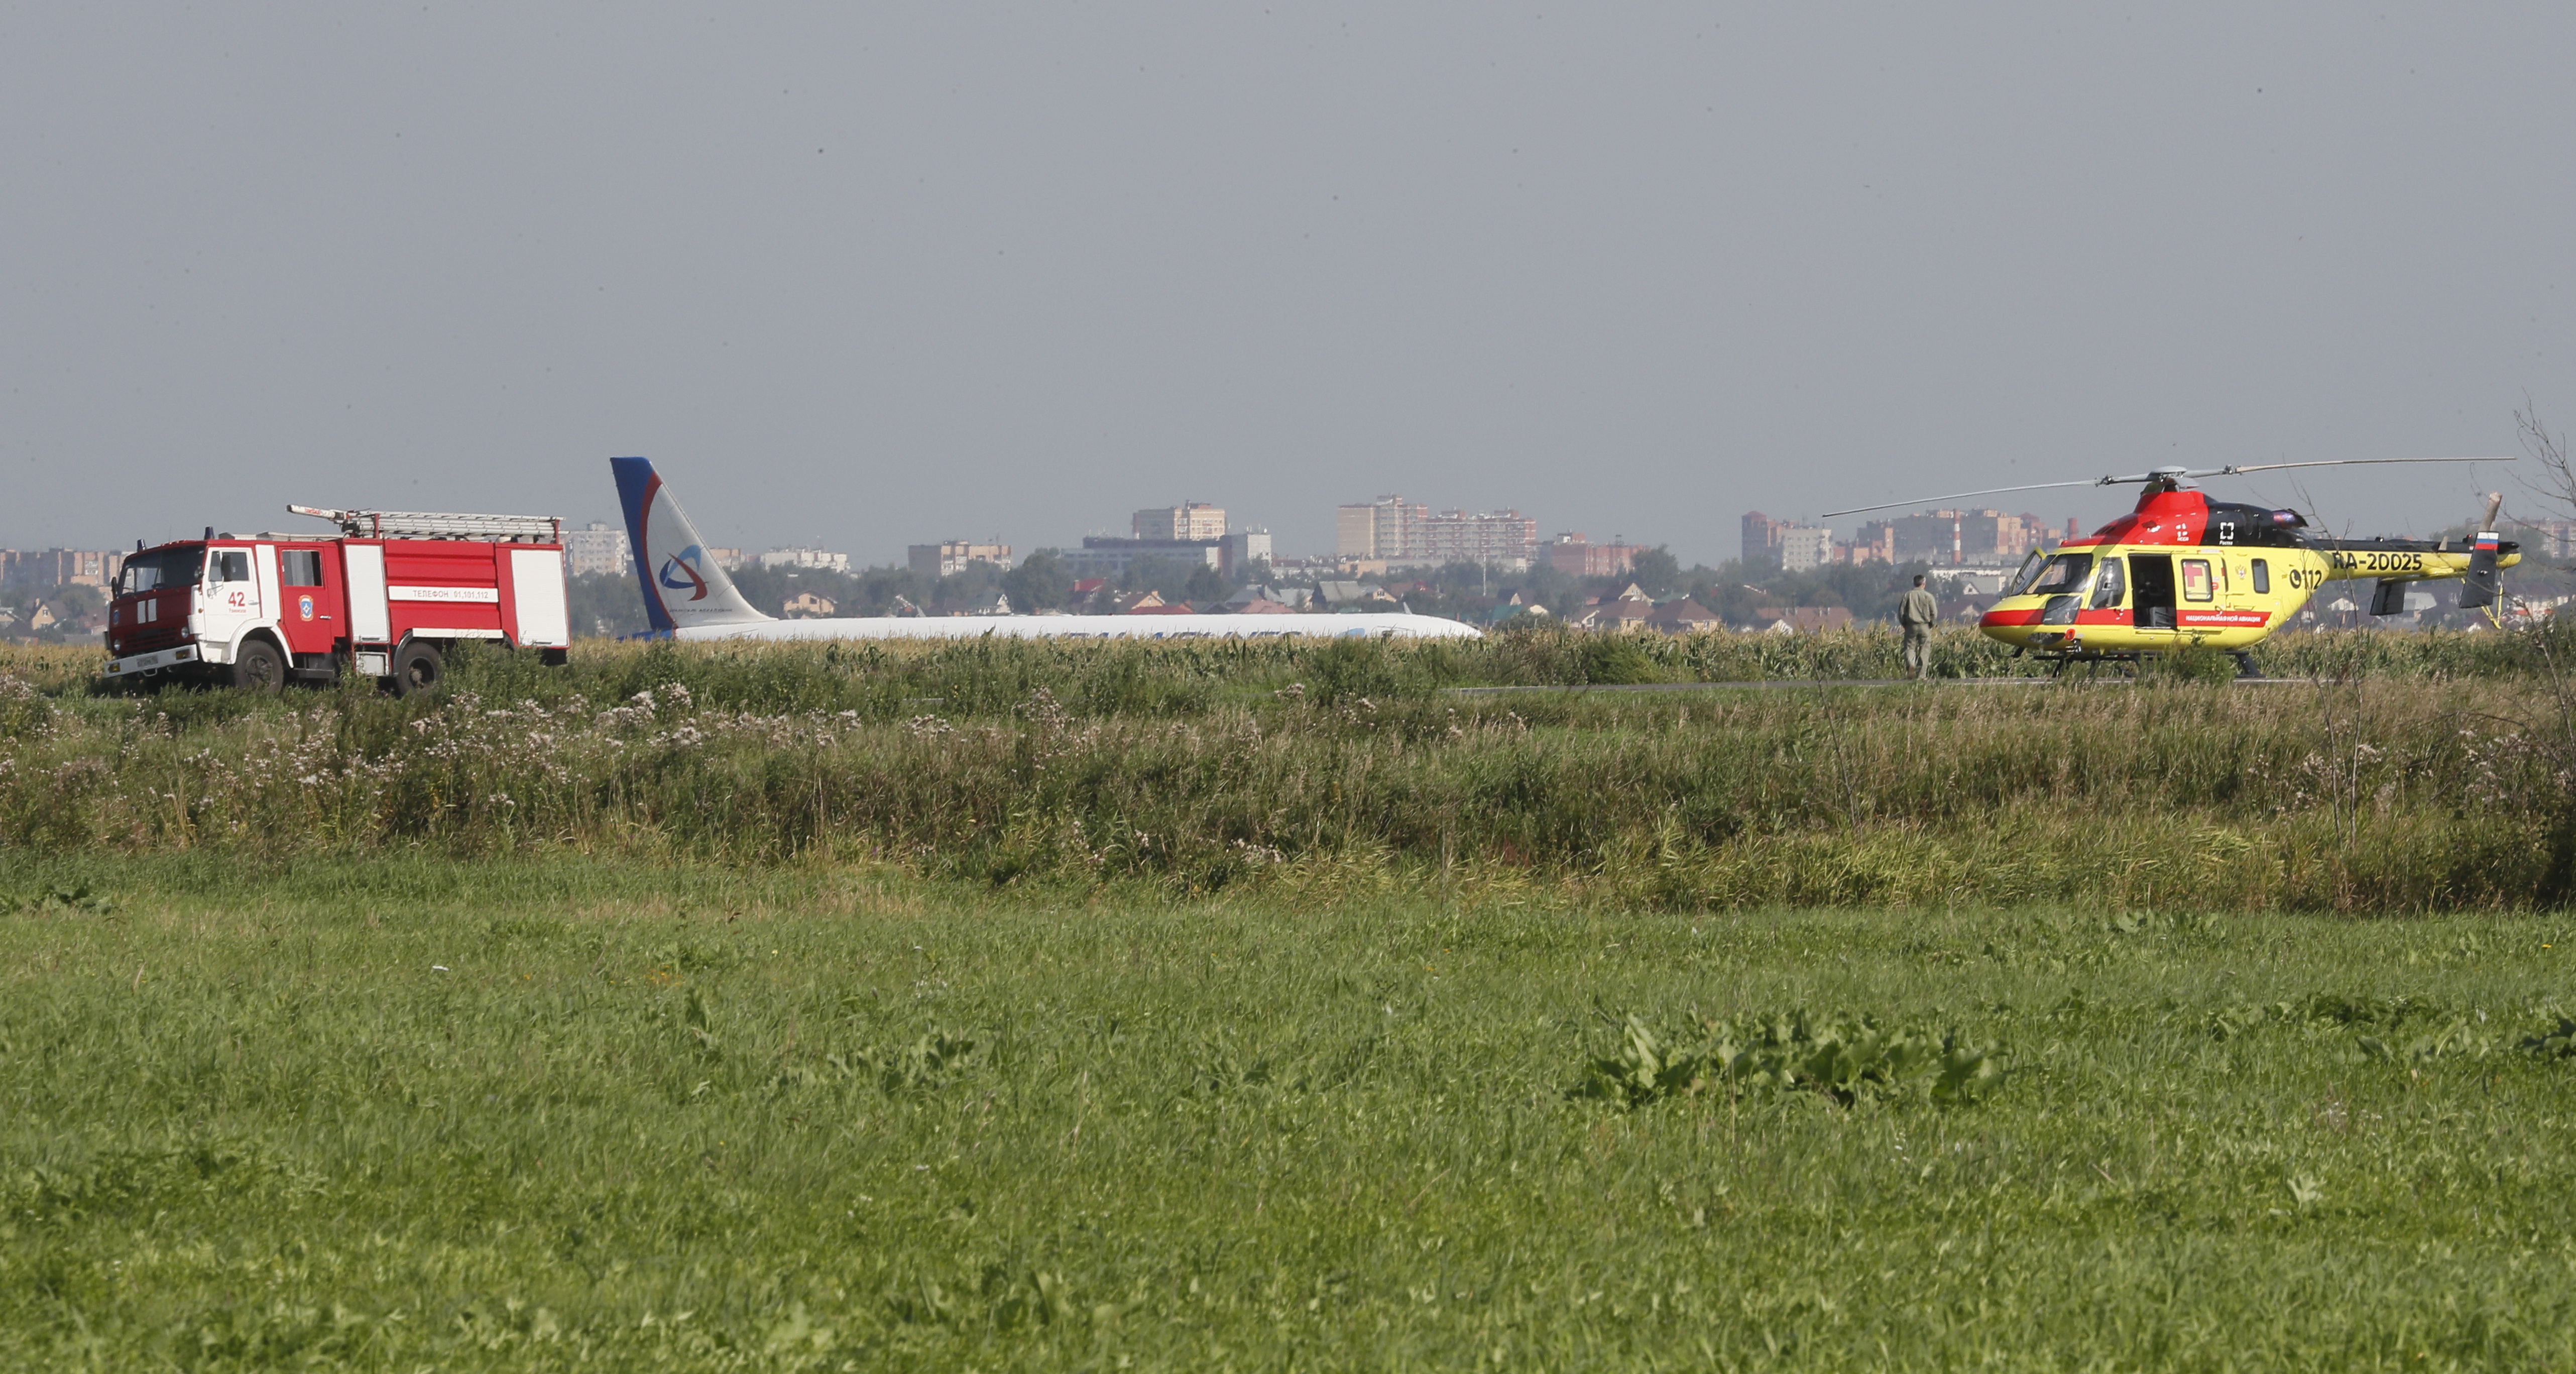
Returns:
<point x="683" y="587"/>
<point x="680" y="573"/>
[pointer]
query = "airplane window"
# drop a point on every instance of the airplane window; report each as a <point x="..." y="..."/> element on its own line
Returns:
<point x="2109" y="587"/>
<point x="2263" y="576"/>
<point x="2195" y="579"/>
<point x="2064" y="573"/>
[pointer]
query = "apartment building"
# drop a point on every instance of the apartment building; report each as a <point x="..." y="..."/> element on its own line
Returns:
<point x="1760" y="550"/>
<point x="806" y="558"/>
<point x="930" y="562"/>
<point x="1189" y="520"/>
<point x="1576" y="555"/>
<point x="1966" y="536"/>
<point x="1110" y="557"/>
<point x="1394" y="530"/>
<point x="1803" y="547"/>
<point x="1505" y="536"/>
<point x="1382" y="529"/>
<point x="598" y="547"/>
<point x="62" y="567"/>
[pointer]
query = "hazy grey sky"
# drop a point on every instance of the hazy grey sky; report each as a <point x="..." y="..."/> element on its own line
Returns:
<point x="866" y="275"/>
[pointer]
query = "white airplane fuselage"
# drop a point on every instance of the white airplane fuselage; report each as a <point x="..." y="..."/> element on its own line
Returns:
<point x="1398" y="625"/>
<point x="688" y="596"/>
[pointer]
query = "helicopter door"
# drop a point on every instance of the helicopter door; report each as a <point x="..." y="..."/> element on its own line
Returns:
<point x="2151" y="589"/>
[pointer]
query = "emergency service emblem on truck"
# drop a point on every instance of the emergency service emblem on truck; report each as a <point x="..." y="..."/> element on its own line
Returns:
<point x="386" y="598"/>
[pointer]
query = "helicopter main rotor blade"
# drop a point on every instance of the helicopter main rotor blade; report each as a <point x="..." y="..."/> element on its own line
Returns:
<point x="1989" y="491"/>
<point x="2184" y="474"/>
<point x="2235" y="468"/>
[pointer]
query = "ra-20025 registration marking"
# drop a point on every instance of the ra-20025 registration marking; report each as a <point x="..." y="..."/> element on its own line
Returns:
<point x="2381" y="562"/>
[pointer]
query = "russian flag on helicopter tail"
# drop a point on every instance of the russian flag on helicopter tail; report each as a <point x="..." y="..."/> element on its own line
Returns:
<point x="2480" y="585"/>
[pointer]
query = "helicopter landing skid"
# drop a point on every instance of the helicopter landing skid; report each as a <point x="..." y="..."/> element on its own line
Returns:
<point x="2093" y="659"/>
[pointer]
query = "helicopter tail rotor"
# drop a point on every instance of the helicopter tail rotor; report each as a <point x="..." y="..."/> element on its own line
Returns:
<point x="2479" y="587"/>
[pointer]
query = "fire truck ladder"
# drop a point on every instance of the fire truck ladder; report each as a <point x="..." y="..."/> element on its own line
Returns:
<point x="416" y="524"/>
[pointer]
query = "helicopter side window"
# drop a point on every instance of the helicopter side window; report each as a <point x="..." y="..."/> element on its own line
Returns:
<point x="2110" y="587"/>
<point x="2064" y="574"/>
<point x="2196" y="585"/>
<point x="2263" y="576"/>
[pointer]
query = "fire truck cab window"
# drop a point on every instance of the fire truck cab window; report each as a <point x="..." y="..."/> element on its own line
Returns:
<point x="300" y="567"/>
<point x="2064" y="573"/>
<point x="228" y="565"/>
<point x="2263" y="576"/>
<point x="150" y="572"/>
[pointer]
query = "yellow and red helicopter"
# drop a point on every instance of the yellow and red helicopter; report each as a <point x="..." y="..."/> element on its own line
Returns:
<point x="2183" y="570"/>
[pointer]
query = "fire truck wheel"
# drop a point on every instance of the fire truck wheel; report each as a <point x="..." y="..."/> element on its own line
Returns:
<point x="259" y="668"/>
<point x="418" y="670"/>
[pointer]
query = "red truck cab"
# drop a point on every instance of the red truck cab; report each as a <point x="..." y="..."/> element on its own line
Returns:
<point x="387" y="599"/>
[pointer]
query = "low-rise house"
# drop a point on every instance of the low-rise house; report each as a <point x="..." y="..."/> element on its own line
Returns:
<point x="1802" y="619"/>
<point x="989" y="601"/>
<point x="806" y="605"/>
<point x="1620" y="613"/>
<point x="1682" y="615"/>
<point x="1285" y="596"/>
<point x="1132" y="602"/>
<point x="1259" y="605"/>
<point x="1628" y="608"/>
<point x="1352" y="596"/>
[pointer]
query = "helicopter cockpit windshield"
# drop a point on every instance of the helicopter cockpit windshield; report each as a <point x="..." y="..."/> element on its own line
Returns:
<point x="2030" y="567"/>
<point x="2064" y="574"/>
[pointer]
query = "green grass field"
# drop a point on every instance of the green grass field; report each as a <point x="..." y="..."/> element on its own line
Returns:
<point x="392" y="1112"/>
<point x="1205" y="1006"/>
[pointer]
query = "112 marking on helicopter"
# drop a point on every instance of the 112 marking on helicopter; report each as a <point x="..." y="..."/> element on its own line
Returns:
<point x="2183" y="570"/>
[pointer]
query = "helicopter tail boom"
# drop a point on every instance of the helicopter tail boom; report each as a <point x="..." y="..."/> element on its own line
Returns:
<point x="2414" y="560"/>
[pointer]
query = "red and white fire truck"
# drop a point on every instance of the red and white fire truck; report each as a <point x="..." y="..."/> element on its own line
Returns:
<point x="386" y="599"/>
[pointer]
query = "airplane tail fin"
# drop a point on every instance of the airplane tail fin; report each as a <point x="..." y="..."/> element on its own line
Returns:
<point x="683" y="586"/>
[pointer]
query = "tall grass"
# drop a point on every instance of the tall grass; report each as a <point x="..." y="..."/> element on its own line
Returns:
<point x="1207" y="765"/>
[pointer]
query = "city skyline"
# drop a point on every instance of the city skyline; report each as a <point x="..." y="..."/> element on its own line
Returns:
<point x="1937" y="536"/>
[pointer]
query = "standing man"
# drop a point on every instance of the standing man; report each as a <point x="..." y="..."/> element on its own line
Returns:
<point x="1916" y="614"/>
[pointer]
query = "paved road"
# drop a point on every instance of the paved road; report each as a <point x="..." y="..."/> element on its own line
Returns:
<point x="1772" y="684"/>
<point x="1786" y="684"/>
